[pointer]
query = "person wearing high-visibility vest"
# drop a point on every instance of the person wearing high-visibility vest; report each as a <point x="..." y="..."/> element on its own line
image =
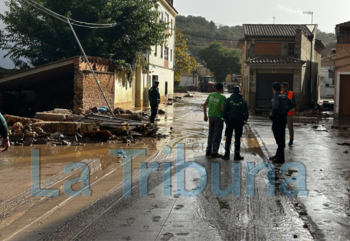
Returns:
<point x="291" y="96"/>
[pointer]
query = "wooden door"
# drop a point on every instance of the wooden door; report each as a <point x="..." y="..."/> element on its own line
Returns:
<point x="344" y="98"/>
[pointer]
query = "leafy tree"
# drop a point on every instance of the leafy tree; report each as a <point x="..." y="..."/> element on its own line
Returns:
<point x="40" y="38"/>
<point x="198" y="26"/>
<point x="328" y="39"/>
<point x="220" y="60"/>
<point x="183" y="61"/>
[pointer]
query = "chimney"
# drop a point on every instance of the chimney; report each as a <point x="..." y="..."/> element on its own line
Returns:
<point x="252" y="49"/>
<point x="297" y="47"/>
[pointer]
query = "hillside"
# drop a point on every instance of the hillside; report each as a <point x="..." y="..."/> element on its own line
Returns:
<point x="201" y="32"/>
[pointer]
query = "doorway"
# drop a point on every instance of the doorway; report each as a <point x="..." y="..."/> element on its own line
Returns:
<point x="166" y="88"/>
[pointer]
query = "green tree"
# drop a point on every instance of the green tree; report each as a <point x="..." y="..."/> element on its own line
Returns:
<point x="40" y="38"/>
<point x="328" y="39"/>
<point x="183" y="61"/>
<point x="221" y="61"/>
<point x="193" y="27"/>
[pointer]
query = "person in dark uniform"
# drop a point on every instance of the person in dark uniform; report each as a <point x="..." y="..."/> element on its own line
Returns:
<point x="281" y="104"/>
<point x="154" y="100"/>
<point x="4" y="134"/>
<point x="235" y="114"/>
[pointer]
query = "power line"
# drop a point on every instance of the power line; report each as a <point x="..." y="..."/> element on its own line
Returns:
<point x="65" y="19"/>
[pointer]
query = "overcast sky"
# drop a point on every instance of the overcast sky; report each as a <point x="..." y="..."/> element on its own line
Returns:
<point x="237" y="12"/>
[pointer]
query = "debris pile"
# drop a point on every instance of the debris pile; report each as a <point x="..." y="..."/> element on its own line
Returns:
<point x="57" y="115"/>
<point x="61" y="127"/>
<point x="319" y="111"/>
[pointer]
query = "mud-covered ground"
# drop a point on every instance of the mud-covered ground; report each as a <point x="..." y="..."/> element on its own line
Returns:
<point x="108" y="215"/>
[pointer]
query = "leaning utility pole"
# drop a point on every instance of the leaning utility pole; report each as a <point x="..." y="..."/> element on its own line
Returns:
<point x="92" y="70"/>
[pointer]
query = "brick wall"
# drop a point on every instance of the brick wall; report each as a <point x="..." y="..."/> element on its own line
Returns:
<point x="87" y="94"/>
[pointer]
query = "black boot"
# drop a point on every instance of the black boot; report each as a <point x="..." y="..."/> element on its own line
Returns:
<point x="280" y="156"/>
<point x="226" y="157"/>
<point x="238" y="157"/>
<point x="279" y="160"/>
<point x="208" y="153"/>
<point x="273" y="157"/>
<point x="216" y="155"/>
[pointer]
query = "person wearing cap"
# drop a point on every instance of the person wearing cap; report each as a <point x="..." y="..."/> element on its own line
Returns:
<point x="291" y="96"/>
<point x="216" y="102"/>
<point x="154" y="100"/>
<point x="235" y="114"/>
<point x="280" y="106"/>
<point x="4" y="134"/>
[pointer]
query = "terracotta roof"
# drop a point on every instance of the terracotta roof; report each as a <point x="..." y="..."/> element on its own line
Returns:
<point x="275" y="30"/>
<point x="319" y="46"/>
<point x="275" y="60"/>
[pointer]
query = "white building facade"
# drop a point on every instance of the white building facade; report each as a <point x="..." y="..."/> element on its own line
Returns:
<point x="162" y="57"/>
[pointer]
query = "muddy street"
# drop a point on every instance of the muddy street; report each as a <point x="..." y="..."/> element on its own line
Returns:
<point x="248" y="212"/>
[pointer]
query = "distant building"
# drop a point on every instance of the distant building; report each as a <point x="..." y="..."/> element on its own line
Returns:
<point x="189" y="80"/>
<point x="327" y="73"/>
<point x="203" y="71"/>
<point x="342" y="71"/>
<point x="280" y="53"/>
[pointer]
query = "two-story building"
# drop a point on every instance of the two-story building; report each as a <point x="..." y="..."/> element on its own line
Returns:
<point x="327" y="73"/>
<point x="342" y="71"/>
<point x="162" y="57"/>
<point x="280" y="53"/>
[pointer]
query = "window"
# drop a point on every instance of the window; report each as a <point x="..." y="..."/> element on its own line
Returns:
<point x="291" y="49"/>
<point x="166" y="53"/>
<point x="171" y="55"/>
<point x="268" y="49"/>
<point x="161" y="17"/>
<point x="171" y="27"/>
<point x="161" y="51"/>
<point x="166" y="18"/>
<point x="155" y="50"/>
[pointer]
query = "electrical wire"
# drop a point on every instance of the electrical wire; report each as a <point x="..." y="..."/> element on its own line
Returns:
<point x="65" y="19"/>
<point x="61" y="16"/>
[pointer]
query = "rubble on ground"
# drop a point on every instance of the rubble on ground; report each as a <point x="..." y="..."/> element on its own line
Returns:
<point x="188" y="95"/>
<point x="62" y="127"/>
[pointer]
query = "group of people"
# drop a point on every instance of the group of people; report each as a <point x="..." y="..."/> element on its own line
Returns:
<point x="234" y="112"/>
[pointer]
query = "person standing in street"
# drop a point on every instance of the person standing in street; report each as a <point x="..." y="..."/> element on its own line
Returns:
<point x="4" y="134"/>
<point x="235" y="114"/>
<point x="216" y="102"/>
<point x="154" y="100"/>
<point x="291" y="96"/>
<point x="280" y="106"/>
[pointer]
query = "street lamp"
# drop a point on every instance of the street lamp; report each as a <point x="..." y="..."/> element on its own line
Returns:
<point x="310" y="13"/>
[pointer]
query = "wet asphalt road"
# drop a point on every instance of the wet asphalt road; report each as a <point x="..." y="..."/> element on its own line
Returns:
<point x="322" y="215"/>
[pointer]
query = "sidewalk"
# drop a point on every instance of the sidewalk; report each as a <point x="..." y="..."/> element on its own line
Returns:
<point x="327" y="174"/>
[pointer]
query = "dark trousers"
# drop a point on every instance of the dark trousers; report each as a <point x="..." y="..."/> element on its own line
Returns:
<point x="153" y="113"/>
<point x="237" y="125"/>
<point x="279" y="131"/>
<point x="215" y="133"/>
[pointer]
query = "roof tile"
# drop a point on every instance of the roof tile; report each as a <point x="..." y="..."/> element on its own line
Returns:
<point x="275" y="60"/>
<point x="274" y="30"/>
